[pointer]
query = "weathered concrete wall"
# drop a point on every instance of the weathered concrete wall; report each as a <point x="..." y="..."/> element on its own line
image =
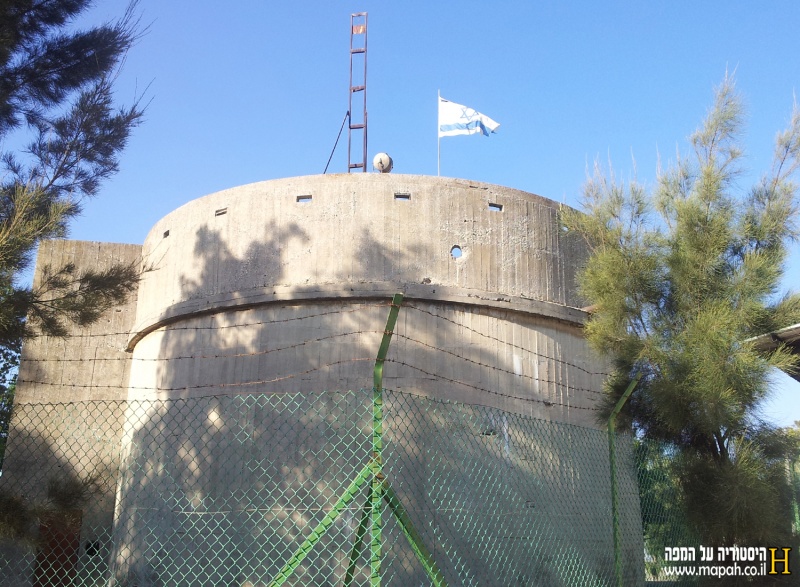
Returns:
<point x="90" y="363"/>
<point x="222" y="490"/>
<point x="349" y="235"/>
<point x="523" y="363"/>
<point x="298" y="266"/>
<point x="68" y="417"/>
<point x="283" y="286"/>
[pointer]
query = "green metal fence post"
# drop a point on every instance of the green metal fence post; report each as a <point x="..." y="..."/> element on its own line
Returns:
<point x="374" y="469"/>
<point x="415" y="540"/>
<point x="358" y="543"/>
<point x="612" y="458"/>
<point x="376" y="494"/>
<point x="291" y="566"/>
<point x="379" y="490"/>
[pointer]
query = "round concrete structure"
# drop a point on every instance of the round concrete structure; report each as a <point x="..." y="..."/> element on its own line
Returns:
<point x="281" y="286"/>
<point x="266" y="303"/>
<point x="247" y="401"/>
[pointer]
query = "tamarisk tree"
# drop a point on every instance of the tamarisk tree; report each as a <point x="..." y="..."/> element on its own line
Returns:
<point x="682" y="277"/>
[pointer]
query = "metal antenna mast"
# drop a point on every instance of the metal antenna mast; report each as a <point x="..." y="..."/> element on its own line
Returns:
<point x="358" y="89"/>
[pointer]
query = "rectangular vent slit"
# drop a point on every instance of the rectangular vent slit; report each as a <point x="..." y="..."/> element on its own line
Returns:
<point x="166" y="233"/>
<point x="221" y="211"/>
<point x="495" y="207"/>
<point x="403" y="197"/>
<point x="303" y="199"/>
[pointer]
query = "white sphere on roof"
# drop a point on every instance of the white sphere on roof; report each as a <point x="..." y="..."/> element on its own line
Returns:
<point x="382" y="162"/>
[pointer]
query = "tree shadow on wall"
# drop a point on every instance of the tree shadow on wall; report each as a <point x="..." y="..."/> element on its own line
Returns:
<point x="222" y="481"/>
<point x="518" y="380"/>
<point x="223" y="272"/>
<point x="260" y="426"/>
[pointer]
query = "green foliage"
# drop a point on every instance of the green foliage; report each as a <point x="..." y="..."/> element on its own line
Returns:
<point x="55" y="93"/>
<point x="664" y="523"/>
<point x="682" y="278"/>
<point x="70" y="493"/>
<point x="65" y="496"/>
<point x="56" y="88"/>
<point x="16" y="517"/>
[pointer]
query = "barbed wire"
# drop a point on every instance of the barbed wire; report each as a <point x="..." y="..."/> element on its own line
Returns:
<point x="225" y="311"/>
<point x="493" y="367"/>
<point x="300" y="344"/>
<point x="410" y="306"/>
<point x="240" y="384"/>
<point x="321" y="339"/>
<point x="497" y="393"/>
<point x="192" y="387"/>
<point x="219" y="356"/>
<point x="531" y="378"/>
<point x="292" y="347"/>
<point x="359" y="308"/>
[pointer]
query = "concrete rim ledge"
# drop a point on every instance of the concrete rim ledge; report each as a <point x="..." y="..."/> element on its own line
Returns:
<point x="356" y="291"/>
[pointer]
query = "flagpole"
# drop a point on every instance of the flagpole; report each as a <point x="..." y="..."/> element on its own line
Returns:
<point x="438" y="138"/>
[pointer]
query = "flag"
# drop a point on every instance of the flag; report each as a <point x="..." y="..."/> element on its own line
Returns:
<point x="455" y="119"/>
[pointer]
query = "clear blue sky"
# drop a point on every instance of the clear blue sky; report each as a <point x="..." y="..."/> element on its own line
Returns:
<point x="255" y="90"/>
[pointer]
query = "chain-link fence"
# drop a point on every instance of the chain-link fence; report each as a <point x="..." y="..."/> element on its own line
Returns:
<point x="237" y="491"/>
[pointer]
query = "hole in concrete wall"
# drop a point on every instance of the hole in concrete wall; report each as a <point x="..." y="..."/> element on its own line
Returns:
<point x="456" y="252"/>
<point x="402" y="197"/>
<point x="166" y="233"/>
<point x="220" y="212"/>
<point x="495" y="207"/>
<point x="303" y="199"/>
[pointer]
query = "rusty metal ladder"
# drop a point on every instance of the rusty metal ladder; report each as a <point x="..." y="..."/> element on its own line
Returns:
<point x="358" y="90"/>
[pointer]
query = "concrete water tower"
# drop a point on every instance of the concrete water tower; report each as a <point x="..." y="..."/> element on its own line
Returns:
<point x="489" y="258"/>
<point x="277" y="291"/>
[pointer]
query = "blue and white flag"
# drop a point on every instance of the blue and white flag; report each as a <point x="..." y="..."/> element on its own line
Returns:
<point x="455" y="119"/>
